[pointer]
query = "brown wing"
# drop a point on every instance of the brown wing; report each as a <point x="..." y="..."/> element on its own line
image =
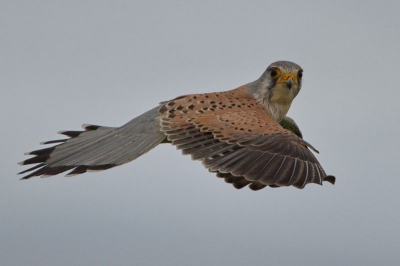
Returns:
<point x="233" y="135"/>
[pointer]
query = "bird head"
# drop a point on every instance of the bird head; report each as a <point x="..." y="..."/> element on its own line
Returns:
<point x="277" y="87"/>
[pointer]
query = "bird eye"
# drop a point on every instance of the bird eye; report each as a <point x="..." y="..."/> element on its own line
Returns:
<point x="300" y="74"/>
<point x="274" y="73"/>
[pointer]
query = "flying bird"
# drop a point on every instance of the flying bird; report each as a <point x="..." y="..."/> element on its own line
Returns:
<point x="242" y="135"/>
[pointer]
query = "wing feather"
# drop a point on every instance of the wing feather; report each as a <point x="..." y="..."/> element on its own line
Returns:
<point x="97" y="148"/>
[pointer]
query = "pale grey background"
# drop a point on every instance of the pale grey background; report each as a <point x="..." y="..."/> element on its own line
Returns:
<point x="65" y="63"/>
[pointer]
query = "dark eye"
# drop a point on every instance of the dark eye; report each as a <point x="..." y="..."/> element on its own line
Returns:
<point x="274" y="73"/>
<point x="300" y="74"/>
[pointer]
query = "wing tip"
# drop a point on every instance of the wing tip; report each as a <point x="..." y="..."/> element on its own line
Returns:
<point x="90" y="127"/>
<point x="70" y="175"/>
<point x="330" y="178"/>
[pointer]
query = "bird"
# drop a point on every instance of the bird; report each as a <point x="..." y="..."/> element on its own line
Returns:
<point x="241" y="135"/>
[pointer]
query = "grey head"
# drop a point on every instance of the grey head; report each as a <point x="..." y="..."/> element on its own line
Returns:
<point x="277" y="87"/>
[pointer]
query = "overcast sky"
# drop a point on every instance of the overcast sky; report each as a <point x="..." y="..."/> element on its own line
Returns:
<point x="65" y="63"/>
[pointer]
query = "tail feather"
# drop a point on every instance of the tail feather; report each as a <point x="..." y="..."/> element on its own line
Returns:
<point x="97" y="148"/>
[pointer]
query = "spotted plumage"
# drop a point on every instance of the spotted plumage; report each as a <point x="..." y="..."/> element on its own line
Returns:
<point x="241" y="135"/>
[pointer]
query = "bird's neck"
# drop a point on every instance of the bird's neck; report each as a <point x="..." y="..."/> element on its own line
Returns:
<point x="276" y="103"/>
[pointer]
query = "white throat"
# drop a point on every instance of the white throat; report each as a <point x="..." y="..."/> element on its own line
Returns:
<point x="277" y="110"/>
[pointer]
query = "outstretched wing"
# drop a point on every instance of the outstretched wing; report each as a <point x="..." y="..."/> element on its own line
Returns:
<point x="233" y="135"/>
<point x="97" y="148"/>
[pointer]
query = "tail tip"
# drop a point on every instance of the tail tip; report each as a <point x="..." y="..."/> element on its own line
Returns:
<point x="84" y="126"/>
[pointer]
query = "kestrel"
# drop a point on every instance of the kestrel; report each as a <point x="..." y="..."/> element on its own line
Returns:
<point x="242" y="135"/>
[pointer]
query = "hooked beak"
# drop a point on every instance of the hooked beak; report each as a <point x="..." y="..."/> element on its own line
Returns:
<point x="289" y="83"/>
<point x="287" y="79"/>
